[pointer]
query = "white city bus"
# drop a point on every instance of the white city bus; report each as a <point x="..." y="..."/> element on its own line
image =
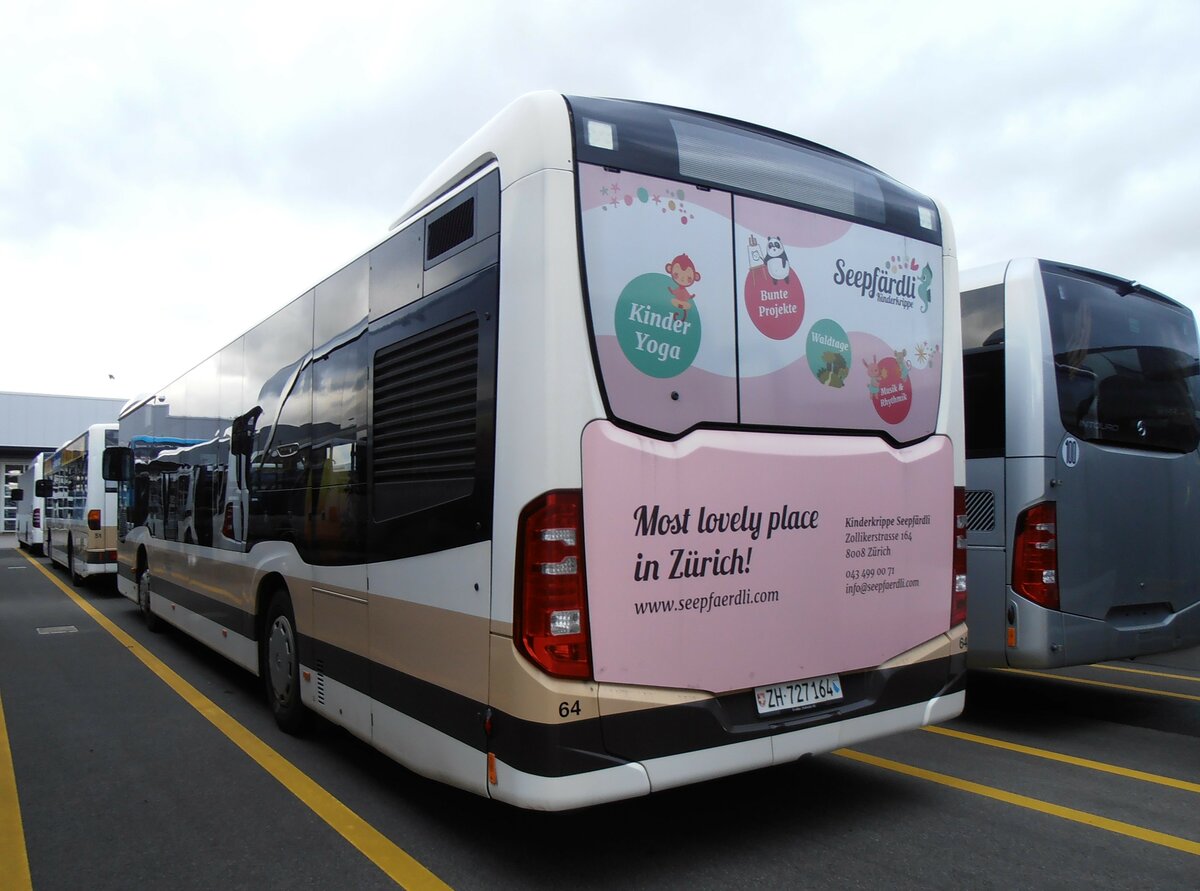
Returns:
<point x="628" y="459"/>
<point x="1082" y="466"/>
<point x="81" y="507"/>
<point x="31" y="509"/>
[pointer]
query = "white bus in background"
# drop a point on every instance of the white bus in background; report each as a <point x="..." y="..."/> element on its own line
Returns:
<point x="629" y="459"/>
<point x="81" y="507"/>
<point x="1083" y="472"/>
<point x="31" y="509"/>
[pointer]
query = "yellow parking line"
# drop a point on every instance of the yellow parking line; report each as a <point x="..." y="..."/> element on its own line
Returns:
<point x="1154" y="674"/>
<point x="1126" y="687"/>
<point x="14" y="861"/>
<point x="1128" y="829"/>
<point x="1067" y="759"/>
<point x="399" y="866"/>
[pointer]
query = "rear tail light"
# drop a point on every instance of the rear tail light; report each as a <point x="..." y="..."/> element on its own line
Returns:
<point x="551" y="597"/>
<point x="227" y="524"/>
<point x="37" y="518"/>
<point x="94" y="520"/>
<point x="1035" y="555"/>
<point x="958" y="594"/>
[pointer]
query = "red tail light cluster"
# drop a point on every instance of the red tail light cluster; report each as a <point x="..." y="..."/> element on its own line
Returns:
<point x="227" y="523"/>
<point x="1035" y="555"/>
<point x="958" y="593"/>
<point x="551" y="625"/>
<point x="94" y="520"/>
<point x="37" y="518"/>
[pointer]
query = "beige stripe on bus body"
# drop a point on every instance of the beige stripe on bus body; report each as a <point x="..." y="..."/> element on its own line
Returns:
<point x="944" y="645"/>
<point x="616" y="699"/>
<point x="443" y="646"/>
<point x="522" y="690"/>
<point x="440" y="646"/>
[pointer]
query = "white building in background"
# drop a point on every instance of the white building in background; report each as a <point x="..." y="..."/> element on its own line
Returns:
<point x="36" y="422"/>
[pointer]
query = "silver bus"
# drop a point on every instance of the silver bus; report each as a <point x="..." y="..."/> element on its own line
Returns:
<point x="1083" y="473"/>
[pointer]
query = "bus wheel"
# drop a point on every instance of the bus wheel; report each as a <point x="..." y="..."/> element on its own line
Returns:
<point x="281" y="665"/>
<point x="153" y="622"/>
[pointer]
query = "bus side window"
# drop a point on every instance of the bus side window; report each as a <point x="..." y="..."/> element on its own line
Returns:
<point x="983" y="371"/>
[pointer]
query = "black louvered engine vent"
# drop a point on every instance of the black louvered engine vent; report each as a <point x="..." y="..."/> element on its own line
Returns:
<point x="981" y="510"/>
<point x="451" y="229"/>
<point x="425" y="391"/>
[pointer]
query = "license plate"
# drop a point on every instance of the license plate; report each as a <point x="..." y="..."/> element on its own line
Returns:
<point x="797" y="694"/>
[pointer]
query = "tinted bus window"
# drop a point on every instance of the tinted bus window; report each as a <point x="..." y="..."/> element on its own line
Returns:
<point x="983" y="371"/>
<point x="1123" y="363"/>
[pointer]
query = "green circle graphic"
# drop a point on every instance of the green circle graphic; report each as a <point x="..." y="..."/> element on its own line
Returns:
<point x="659" y="337"/>
<point x="827" y="349"/>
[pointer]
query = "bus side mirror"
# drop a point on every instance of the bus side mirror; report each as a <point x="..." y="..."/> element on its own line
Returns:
<point x="17" y="495"/>
<point x="43" y="488"/>
<point x="117" y="465"/>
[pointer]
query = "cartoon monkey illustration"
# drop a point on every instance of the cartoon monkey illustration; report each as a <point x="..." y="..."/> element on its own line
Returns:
<point x="683" y="272"/>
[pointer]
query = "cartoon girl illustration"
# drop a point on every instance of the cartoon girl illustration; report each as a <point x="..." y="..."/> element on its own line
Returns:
<point x="683" y="272"/>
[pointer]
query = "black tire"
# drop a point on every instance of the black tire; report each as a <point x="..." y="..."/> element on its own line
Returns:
<point x="280" y="661"/>
<point x="153" y="622"/>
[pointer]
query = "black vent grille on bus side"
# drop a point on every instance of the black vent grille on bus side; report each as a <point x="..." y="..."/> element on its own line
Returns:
<point x="425" y="393"/>
<point x="450" y="229"/>
<point x="981" y="510"/>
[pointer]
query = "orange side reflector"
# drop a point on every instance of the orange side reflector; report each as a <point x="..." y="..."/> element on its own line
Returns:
<point x="492" y="768"/>
<point x="1012" y="636"/>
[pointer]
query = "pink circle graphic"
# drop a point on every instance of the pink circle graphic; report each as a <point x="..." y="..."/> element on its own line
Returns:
<point x="890" y="389"/>
<point x="776" y="306"/>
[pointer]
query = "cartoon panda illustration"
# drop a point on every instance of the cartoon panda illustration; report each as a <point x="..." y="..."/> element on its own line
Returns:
<point x="777" y="261"/>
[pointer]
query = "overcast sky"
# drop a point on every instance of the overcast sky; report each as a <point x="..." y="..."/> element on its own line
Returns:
<point x="170" y="174"/>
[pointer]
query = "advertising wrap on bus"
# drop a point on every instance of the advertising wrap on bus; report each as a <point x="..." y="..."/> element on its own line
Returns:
<point x="734" y="558"/>
<point x="709" y="307"/>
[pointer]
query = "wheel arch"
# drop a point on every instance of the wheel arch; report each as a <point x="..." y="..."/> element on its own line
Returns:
<point x="268" y="584"/>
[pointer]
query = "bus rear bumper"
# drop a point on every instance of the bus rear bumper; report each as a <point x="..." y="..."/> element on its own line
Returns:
<point x="1051" y="639"/>
<point x="636" y="779"/>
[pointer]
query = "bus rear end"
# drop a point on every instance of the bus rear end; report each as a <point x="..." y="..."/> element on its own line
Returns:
<point x="1100" y="474"/>
<point x="763" y="555"/>
<point x="31" y="509"/>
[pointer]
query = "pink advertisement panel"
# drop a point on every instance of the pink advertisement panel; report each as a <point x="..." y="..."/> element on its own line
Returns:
<point x="839" y="324"/>
<point x="729" y="559"/>
<point x="660" y="282"/>
<point x="711" y="307"/>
